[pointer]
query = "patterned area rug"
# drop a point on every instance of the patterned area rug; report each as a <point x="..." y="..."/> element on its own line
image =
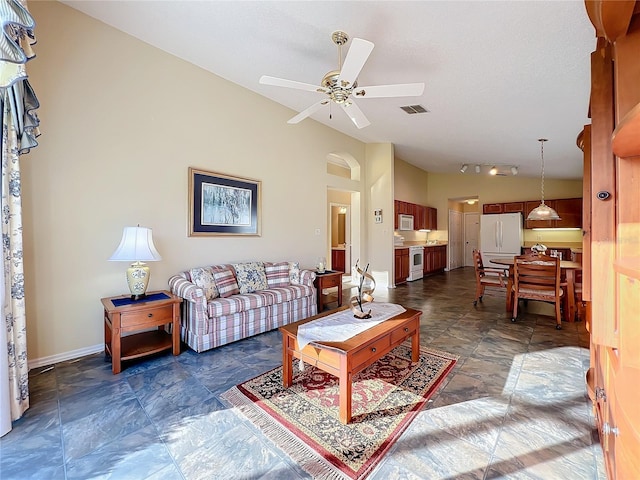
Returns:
<point x="303" y="420"/>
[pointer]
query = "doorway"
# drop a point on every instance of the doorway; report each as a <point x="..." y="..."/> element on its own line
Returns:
<point x="456" y="236"/>
<point x="340" y="235"/>
<point x="471" y="236"/>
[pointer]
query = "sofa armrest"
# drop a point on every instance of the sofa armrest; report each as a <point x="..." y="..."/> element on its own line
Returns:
<point x="307" y="277"/>
<point x="180" y="286"/>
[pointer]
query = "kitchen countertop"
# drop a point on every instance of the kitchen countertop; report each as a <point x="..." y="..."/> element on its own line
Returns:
<point x="420" y="244"/>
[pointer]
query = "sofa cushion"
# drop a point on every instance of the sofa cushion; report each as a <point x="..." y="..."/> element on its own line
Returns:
<point x="263" y="298"/>
<point x="250" y="276"/>
<point x="277" y="274"/>
<point x="203" y="278"/>
<point x="294" y="273"/>
<point x="238" y="303"/>
<point x="225" y="282"/>
<point x="288" y="293"/>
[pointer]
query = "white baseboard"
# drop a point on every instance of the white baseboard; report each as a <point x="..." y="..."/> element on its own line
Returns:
<point x="63" y="357"/>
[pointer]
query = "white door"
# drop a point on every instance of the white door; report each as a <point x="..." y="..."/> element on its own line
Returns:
<point x="471" y="236"/>
<point x="456" y="239"/>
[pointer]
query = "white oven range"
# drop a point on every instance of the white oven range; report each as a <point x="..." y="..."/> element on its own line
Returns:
<point x="416" y="263"/>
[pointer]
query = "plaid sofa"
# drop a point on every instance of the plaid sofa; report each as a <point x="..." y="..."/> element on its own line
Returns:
<point x="229" y="302"/>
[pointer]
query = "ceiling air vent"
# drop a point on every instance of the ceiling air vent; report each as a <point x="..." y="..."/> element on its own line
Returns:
<point x="411" y="109"/>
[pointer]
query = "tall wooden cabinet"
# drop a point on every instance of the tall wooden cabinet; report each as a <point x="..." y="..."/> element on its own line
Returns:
<point x="611" y="249"/>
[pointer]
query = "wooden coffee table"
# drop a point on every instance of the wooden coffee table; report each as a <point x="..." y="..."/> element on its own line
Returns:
<point x="345" y="359"/>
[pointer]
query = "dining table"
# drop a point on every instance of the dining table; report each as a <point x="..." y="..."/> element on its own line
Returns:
<point x="568" y="272"/>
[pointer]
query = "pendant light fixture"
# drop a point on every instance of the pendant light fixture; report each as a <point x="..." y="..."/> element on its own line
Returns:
<point x="542" y="211"/>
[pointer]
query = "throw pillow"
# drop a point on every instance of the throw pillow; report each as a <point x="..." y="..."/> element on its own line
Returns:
<point x="226" y="282"/>
<point x="250" y="276"/>
<point x="277" y="274"/>
<point x="203" y="278"/>
<point x="294" y="273"/>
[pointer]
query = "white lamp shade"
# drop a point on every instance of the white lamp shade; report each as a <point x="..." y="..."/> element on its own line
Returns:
<point x="543" y="212"/>
<point x="136" y="246"/>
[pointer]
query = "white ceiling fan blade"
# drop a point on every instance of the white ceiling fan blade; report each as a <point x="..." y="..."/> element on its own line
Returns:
<point x="398" y="90"/>
<point x="356" y="115"/>
<point x="358" y="53"/>
<point x="282" y="82"/>
<point x="309" y="111"/>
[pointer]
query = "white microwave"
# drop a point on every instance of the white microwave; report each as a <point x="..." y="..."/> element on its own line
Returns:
<point x="405" y="222"/>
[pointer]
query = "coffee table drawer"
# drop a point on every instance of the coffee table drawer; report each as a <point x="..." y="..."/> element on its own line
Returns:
<point x="403" y="332"/>
<point x="372" y="350"/>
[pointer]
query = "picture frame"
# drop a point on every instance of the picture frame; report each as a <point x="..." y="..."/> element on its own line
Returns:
<point x="221" y="204"/>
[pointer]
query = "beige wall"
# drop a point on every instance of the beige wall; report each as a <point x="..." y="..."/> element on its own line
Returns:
<point x="121" y="124"/>
<point x="379" y="187"/>
<point x="410" y="183"/>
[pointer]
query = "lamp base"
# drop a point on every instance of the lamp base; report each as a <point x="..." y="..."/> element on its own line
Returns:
<point x="138" y="280"/>
<point x="141" y="296"/>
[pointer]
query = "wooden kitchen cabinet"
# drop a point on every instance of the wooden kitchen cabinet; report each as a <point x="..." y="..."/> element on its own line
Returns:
<point x="420" y="218"/>
<point x="401" y="270"/>
<point x="435" y="259"/>
<point x="513" y="207"/>
<point x="492" y="208"/>
<point x="432" y="218"/>
<point x="424" y="218"/>
<point x="510" y="207"/>
<point x="570" y="211"/>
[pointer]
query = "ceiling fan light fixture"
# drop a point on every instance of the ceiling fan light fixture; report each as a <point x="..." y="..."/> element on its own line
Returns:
<point x="464" y="168"/>
<point x="339" y="85"/>
<point x="542" y="211"/>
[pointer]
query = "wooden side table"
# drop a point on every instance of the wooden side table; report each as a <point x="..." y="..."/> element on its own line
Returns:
<point x="328" y="279"/>
<point x="123" y="315"/>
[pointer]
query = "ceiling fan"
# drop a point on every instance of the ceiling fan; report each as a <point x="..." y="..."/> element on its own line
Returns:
<point x="340" y="85"/>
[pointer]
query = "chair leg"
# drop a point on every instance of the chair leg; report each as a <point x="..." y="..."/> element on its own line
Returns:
<point x="558" y="317"/>
<point x="479" y="293"/>
<point x="515" y="308"/>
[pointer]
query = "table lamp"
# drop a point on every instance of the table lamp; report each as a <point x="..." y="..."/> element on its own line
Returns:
<point x="136" y="246"/>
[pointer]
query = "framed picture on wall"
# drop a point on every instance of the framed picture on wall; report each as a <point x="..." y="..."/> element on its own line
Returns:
<point x="221" y="204"/>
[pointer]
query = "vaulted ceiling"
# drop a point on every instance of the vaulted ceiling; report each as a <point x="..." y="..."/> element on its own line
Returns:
<point x="498" y="75"/>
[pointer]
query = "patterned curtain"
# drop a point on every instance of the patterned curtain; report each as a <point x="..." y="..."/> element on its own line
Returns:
<point x="19" y="131"/>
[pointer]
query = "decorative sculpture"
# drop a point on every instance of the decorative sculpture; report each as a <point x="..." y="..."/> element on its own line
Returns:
<point x="364" y="294"/>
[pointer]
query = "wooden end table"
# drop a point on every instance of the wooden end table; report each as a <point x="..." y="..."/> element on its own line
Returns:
<point x="345" y="359"/>
<point x="122" y="315"/>
<point x="328" y="279"/>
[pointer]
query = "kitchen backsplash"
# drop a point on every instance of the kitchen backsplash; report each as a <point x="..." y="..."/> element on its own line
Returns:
<point x="411" y="236"/>
<point x="553" y="237"/>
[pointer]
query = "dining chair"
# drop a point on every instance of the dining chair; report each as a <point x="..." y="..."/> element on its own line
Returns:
<point x="487" y="277"/>
<point x="537" y="277"/>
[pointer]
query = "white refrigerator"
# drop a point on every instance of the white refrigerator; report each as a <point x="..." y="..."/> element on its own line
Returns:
<point x="501" y="236"/>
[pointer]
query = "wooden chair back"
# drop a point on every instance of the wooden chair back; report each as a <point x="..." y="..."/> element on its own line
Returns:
<point x="487" y="277"/>
<point x="537" y="277"/>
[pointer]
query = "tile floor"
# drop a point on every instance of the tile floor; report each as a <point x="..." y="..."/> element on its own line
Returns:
<point x="515" y="405"/>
